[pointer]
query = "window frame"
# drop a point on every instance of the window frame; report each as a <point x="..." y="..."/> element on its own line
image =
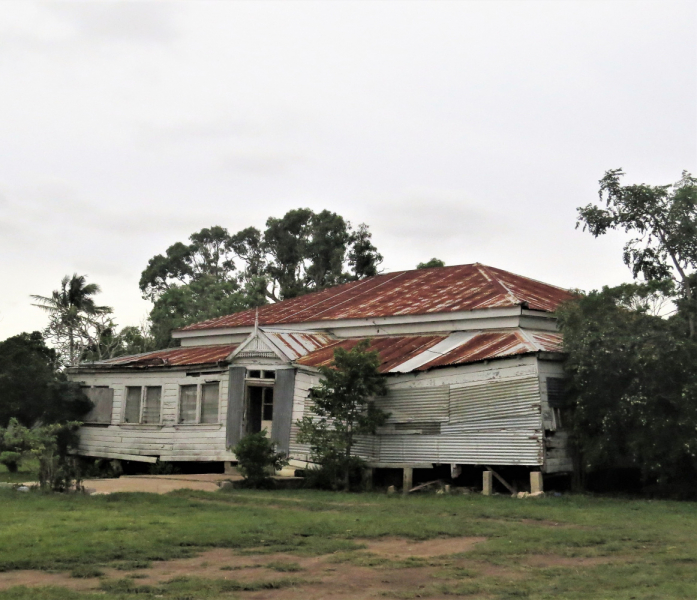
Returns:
<point x="199" y="403"/>
<point x="141" y="405"/>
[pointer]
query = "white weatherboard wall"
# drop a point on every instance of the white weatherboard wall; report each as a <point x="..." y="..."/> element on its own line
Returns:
<point x="304" y="381"/>
<point x="168" y="441"/>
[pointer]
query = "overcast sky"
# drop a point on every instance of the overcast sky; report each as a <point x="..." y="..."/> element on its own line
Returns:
<point x="469" y="131"/>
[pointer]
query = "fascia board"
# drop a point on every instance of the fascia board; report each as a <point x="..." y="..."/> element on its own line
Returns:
<point x="367" y="322"/>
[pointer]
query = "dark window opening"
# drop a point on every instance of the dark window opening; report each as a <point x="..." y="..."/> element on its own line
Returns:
<point x="555" y="392"/>
<point x="267" y="404"/>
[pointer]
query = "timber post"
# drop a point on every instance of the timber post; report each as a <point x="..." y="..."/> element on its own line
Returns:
<point x="368" y="479"/>
<point x="487" y="483"/>
<point x="407" y="479"/>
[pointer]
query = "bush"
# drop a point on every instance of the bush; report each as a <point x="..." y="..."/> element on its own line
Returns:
<point x="257" y="458"/>
<point x="51" y="444"/>
<point x="331" y="474"/>
<point x="14" y="444"/>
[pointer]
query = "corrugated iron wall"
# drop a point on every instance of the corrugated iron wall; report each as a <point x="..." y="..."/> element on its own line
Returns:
<point x="494" y="422"/>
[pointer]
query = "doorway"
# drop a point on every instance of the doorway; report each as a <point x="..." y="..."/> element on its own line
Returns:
<point x="259" y="409"/>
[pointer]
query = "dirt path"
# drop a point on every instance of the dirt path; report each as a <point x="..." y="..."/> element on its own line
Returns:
<point x="157" y="484"/>
<point x="319" y="576"/>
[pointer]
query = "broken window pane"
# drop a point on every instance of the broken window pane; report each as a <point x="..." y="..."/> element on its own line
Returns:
<point x="209" y="402"/>
<point x="151" y="410"/>
<point x="132" y="412"/>
<point x="187" y="404"/>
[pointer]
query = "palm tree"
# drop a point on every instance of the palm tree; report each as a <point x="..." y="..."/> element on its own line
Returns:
<point x="70" y="305"/>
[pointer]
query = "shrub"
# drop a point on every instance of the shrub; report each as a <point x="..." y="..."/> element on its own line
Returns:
<point x="257" y="457"/>
<point x="51" y="444"/>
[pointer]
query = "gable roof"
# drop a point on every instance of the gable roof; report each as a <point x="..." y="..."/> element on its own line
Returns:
<point x="405" y="354"/>
<point x="416" y="292"/>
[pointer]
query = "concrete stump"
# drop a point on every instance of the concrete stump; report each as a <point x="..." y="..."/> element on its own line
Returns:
<point x="536" y="482"/>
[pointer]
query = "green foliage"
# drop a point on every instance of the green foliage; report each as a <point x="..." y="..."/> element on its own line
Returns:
<point x="31" y="387"/>
<point x="663" y="220"/>
<point x="50" y="445"/>
<point x="76" y="322"/>
<point x="257" y="458"/>
<point x="14" y="444"/>
<point x="343" y="409"/>
<point x="632" y="397"/>
<point x="434" y="262"/>
<point x="202" y="299"/>
<point x="218" y="273"/>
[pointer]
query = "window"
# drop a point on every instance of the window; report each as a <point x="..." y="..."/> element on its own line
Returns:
<point x="261" y="374"/>
<point x="132" y="412"/>
<point x="555" y="398"/>
<point x="209" y="402"/>
<point x="143" y="404"/>
<point x="103" y="399"/>
<point x="187" y="403"/>
<point x="199" y="403"/>
<point x="153" y="401"/>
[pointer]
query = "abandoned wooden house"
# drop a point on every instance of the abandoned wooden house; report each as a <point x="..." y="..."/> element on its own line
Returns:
<point x="471" y="355"/>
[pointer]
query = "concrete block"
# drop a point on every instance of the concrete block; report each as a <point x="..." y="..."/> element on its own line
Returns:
<point x="536" y="482"/>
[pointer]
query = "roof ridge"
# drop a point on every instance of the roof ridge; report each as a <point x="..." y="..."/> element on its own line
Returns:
<point x="484" y="270"/>
<point x="529" y="278"/>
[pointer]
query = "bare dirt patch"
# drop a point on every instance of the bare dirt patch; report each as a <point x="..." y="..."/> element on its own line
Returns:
<point x="402" y="548"/>
<point x="40" y="578"/>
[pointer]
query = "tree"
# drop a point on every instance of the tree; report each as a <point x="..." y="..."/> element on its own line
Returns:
<point x="632" y="393"/>
<point x="363" y="257"/>
<point x="344" y="409"/>
<point x="434" y="262"/>
<point x="203" y="299"/>
<point x="210" y="256"/>
<point x="257" y="456"/>
<point x="218" y="273"/>
<point x="663" y="220"/>
<point x="71" y="309"/>
<point x="31" y="387"/>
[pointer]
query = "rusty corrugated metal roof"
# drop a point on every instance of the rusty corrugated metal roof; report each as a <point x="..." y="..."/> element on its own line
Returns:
<point x="171" y="357"/>
<point x="402" y="354"/>
<point x="416" y="292"/>
<point x="295" y="344"/>
<point x="393" y="350"/>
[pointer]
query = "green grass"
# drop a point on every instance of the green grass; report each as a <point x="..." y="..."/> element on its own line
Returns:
<point x="651" y="545"/>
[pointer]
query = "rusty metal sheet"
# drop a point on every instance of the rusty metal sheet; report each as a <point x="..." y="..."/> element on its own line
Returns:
<point x="392" y="350"/>
<point x="171" y="357"/>
<point x="484" y="346"/>
<point x="296" y="344"/>
<point x="420" y="352"/>
<point x="549" y="342"/>
<point x="417" y="292"/>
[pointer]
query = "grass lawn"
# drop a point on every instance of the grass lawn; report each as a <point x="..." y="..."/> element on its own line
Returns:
<point x="568" y="547"/>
